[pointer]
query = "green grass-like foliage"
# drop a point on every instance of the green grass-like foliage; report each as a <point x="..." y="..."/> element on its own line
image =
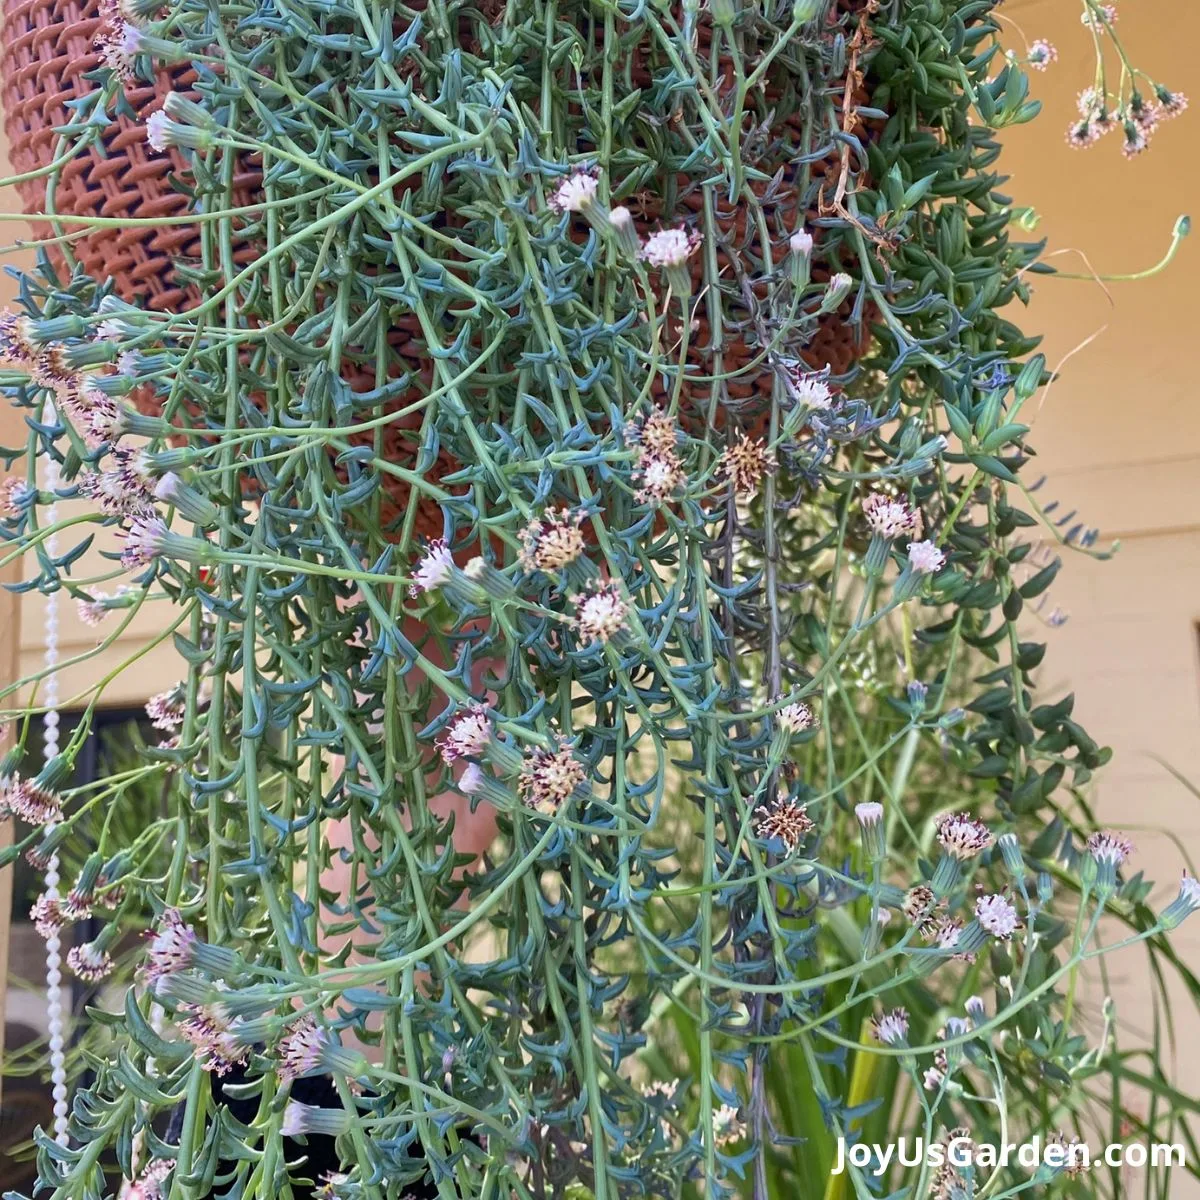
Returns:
<point x="674" y="635"/>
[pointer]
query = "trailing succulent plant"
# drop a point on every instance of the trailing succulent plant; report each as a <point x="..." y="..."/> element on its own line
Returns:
<point x="609" y="413"/>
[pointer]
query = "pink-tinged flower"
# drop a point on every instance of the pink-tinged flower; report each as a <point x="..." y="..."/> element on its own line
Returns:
<point x="91" y="612"/>
<point x="1105" y="14"/>
<point x="166" y="709"/>
<point x="795" y="718"/>
<point x="997" y="916"/>
<point x="214" y="1038"/>
<point x="90" y="963"/>
<point x="670" y="247"/>
<point x="887" y="516"/>
<point x="727" y="1125"/>
<point x="1042" y="54"/>
<point x="809" y="389"/>
<point x="1170" y="104"/>
<point x="890" y="1028"/>
<point x="1110" y="847"/>
<point x="658" y="434"/>
<point x="962" y="836"/>
<point x="1136" y="139"/>
<point x="301" y="1049"/>
<point x="14" y="494"/>
<point x="549" y="776"/>
<point x="785" y="820"/>
<point x="51" y="370"/>
<point x="149" y="1186"/>
<point x="144" y="541"/>
<point x="576" y="192"/>
<point x="134" y="468"/>
<point x="118" y="46"/>
<point x="660" y="1087"/>
<point x="1145" y="115"/>
<point x="600" y="613"/>
<point x="434" y="568"/>
<point x="659" y="477"/>
<point x="172" y="946"/>
<point x="16" y="339"/>
<point x="467" y="735"/>
<point x="744" y="463"/>
<point x="925" y="558"/>
<point x="801" y="243"/>
<point x="156" y="126"/>
<point x="26" y="799"/>
<point x="109" y="330"/>
<point x="101" y="422"/>
<point x="1088" y="101"/>
<point x="943" y="932"/>
<point x="919" y="904"/>
<point x="551" y="541"/>
<point x="932" y="1080"/>
<point x="47" y="916"/>
<point x="78" y="904"/>
<point x="38" y="857"/>
<point x="331" y="1186"/>
<point x="117" y="493"/>
<point x="1081" y="134"/>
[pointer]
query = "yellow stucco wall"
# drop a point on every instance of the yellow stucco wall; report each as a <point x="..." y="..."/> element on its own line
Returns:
<point x="1119" y="440"/>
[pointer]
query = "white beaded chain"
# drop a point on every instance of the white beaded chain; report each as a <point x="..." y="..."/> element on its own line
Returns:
<point x="50" y="695"/>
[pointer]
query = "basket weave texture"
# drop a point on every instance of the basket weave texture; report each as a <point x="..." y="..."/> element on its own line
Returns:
<point x="46" y="53"/>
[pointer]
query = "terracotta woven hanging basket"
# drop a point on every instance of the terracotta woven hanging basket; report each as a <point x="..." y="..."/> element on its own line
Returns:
<point x="46" y="50"/>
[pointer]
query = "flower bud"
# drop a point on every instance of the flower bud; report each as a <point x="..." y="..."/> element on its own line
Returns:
<point x="89" y="354"/>
<point x="475" y="781"/>
<point x="871" y="827"/>
<point x="838" y="288"/>
<point x="188" y="112"/>
<point x="57" y="329"/>
<point x="186" y="500"/>
<point x="56" y="774"/>
<point x="1010" y="851"/>
<point x="1183" y="905"/>
<point x="504" y="755"/>
<point x="946" y="876"/>
<point x="495" y="583"/>
<point x="300" y="1119"/>
<point x="724" y="12"/>
<point x="624" y="233"/>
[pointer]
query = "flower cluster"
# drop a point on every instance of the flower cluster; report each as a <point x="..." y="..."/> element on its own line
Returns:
<point x="658" y="469"/>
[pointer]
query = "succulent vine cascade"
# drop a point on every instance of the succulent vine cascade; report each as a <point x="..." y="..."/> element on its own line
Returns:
<point x="610" y="413"/>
